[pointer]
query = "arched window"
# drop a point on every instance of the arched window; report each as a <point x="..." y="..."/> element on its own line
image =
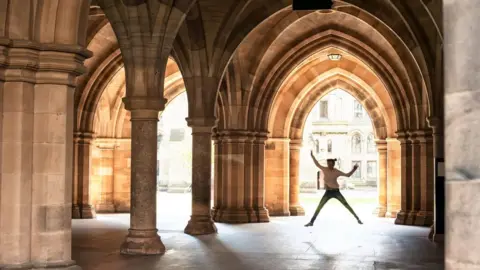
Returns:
<point x="371" y="147"/>
<point x="329" y="146"/>
<point x="356" y="143"/>
<point x="323" y="104"/>
<point x="357" y="109"/>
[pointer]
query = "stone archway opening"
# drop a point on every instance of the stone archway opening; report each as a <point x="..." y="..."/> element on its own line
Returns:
<point x="339" y="127"/>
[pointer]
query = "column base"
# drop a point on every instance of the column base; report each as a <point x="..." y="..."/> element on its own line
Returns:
<point x="391" y="214"/>
<point x="122" y="208"/>
<point x="85" y="211"/>
<point x="105" y="208"/>
<point x="279" y="213"/>
<point x="76" y="211"/>
<point x="401" y="218"/>
<point x="296" y="210"/>
<point x="142" y="242"/>
<point x="200" y="225"/>
<point x="88" y="212"/>
<point x="380" y="211"/>
<point x="23" y="266"/>
<point x="237" y="216"/>
<point x="424" y="218"/>
<point x="69" y="265"/>
<point x="411" y="218"/>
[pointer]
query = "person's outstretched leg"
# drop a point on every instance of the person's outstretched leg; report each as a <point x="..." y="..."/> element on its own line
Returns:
<point x="323" y="201"/>
<point x="342" y="199"/>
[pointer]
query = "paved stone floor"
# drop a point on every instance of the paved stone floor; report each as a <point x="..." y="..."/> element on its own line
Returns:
<point x="335" y="242"/>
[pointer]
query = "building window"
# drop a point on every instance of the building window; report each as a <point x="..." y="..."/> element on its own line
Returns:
<point x="358" y="172"/>
<point x="356" y="143"/>
<point x="371" y="147"/>
<point x="329" y="146"/>
<point x="324" y="109"/>
<point x="371" y="169"/>
<point x="357" y="109"/>
<point x="317" y="146"/>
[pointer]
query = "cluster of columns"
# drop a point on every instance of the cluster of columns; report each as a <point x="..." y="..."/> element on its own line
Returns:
<point x="36" y="95"/>
<point x="417" y="178"/>
<point x="101" y="174"/>
<point x="239" y="177"/>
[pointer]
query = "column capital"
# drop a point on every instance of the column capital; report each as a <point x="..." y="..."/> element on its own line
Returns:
<point x="83" y="137"/>
<point x="39" y="63"/>
<point x="402" y="136"/>
<point x="237" y="135"/>
<point x="381" y="145"/>
<point x="423" y="135"/>
<point x="144" y="108"/>
<point x="202" y="125"/>
<point x="296" y="144"/>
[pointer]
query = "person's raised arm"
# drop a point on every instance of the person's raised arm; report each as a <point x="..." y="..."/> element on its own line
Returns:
<point x="355" y="167"/>
<point x="316" y="162"/>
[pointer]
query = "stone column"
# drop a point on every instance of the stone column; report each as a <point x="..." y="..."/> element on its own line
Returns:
<point x="295" y="208"/>
<point x="277" y="175"/>
<point x="425" y="213"/>
<point x="53" y="163"/>
<point x="414" y="180"/>
<point x="381" y="209"/>
<point x="16" y="132"/>
<point x="405" y="176"/>
<point x="462" y="145"/>
<point x="437" y="231"/>
<point x="142" y="236"/>
<point x="240" y="178"/>
<point x="107" y="148"/>
<point x="201" y="219"/>
<point x="81" y="207"/>
<point x="258" y="167"/>
<point x="394" y="182"/>
<point x="217" y="181"/>
<point x="236" y="178"/>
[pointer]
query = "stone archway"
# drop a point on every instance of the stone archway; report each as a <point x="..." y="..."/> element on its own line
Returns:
<point x="263" y="92"/>
<point x="103" y="137"/>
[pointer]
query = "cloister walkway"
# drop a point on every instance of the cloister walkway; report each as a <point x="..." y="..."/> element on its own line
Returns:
<point x="335" y="242"/>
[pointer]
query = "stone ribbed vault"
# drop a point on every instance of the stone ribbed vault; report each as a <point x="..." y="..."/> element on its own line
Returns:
<point x="252" y="71"/>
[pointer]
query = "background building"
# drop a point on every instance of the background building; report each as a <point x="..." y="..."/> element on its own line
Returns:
<point x="174" y="153"/>
<point x="339" y="127"/>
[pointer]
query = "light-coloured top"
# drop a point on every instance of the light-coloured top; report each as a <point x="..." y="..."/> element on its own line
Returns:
<point x="330" y="177"/>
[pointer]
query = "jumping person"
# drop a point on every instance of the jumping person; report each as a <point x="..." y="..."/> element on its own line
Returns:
<point x="330" y="176"/>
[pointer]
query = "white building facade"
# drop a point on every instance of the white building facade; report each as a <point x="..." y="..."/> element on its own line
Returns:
<point x="339" y="127"/>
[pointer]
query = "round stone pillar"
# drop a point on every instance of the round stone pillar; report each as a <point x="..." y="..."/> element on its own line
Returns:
<point x="142" y="238"/>
<point x="295" y="208"/>
<point x="201" y="221"/>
